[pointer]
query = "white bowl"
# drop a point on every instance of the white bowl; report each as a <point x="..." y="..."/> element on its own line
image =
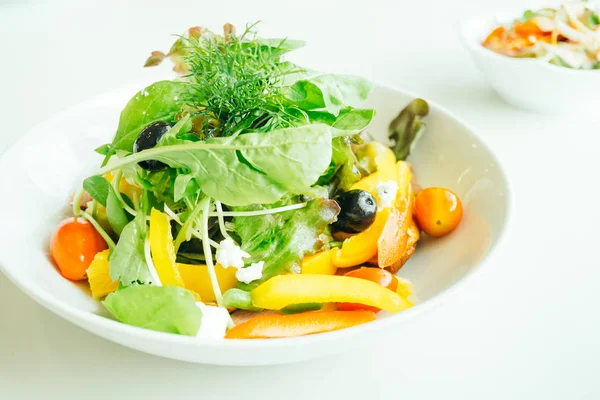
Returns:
<point x="46" y="165"/>
<point x="530" y="83"/>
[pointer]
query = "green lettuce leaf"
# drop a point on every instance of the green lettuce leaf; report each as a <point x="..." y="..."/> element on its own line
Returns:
<point x="354" y="119"/>
<point x="103" y="150"/>
<point x="349" y="120"/>
<point x="173" y="135"/>
<point x="344" y="169"/>
<point x="347" y="172"/>
<point x="115" y="213"/>
<point x="527" y="15"/>
<point x="282" y="243"/>
<point x="160" y="101"/>
<point x="97" y="187"/>
<point x="281" y="46"/>
<point x="161" y="308"/>
<point x="160" y="183"/>
<point x="185" y="186"/>
<point x="127" y="260"/>
<point x="253" y="168"/>
<point x="328" y="91"/>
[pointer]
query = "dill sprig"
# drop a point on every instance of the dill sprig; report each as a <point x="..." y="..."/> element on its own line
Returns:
<point x="235" y="83"/>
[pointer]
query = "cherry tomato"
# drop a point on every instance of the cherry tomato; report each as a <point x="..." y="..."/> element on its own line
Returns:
<point x="73" y="247"/>
<point x="374" y="274"/>
<point x="438" y="211"/>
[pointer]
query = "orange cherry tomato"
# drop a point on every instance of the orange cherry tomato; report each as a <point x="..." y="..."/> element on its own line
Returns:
<point x="438" y="211"/>
<point x="73" y="247"/>
<point x="373" y="274"/>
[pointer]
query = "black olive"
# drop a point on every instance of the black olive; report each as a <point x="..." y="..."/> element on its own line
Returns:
<point x="358" y="210"/>
<point x="147" y="139"/>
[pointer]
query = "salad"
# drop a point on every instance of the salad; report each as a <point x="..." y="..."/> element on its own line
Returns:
<point x="568" y="36"/>
<point x="245" y="199"/>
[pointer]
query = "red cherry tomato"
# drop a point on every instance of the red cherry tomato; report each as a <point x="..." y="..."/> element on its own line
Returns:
<point x="374" y="274"/>
<point x="438" y="211"/>
<point x="73" y="247"/>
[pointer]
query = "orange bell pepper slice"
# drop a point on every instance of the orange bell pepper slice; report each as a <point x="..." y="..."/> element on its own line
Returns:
<point x="98" y="274"/>
<point x="362" y="247"/>
<point x="280" y="326"/>
<point x="528" y="28"/>
<point x="393" y="243"/>
<point x="495" y="36"/>
<point x="283" y="290"/>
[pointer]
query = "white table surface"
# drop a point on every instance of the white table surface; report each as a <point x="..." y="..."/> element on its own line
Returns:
<point x="527" y="326"/>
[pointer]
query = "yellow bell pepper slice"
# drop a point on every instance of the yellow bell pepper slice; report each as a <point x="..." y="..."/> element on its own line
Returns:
<point x="196" y="278"/>
<point x="403" y="178"/>
<point x="125" y="187"/>
<point x="385" y="160"/>
<point x="320" y="263"/>
<point x="163" y="251"/>
<point x="362" y="247"/>
<point x="383" y="157"/>
<point x="369" y="183"/>
<point x="98" y="274"/>
<point x="405" y="287"/>
<point x="283" y="290"/>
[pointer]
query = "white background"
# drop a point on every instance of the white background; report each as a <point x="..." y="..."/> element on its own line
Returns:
<point x="527" y="326"/>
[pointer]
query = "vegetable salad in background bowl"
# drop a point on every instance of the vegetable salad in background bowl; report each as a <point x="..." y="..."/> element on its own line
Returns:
<point x="568" y="36"/>
<point x="251" y="198"/>
<point x="543" y="60"/>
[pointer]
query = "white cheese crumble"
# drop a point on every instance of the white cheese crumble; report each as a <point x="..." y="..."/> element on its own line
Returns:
<point x="251" y="273"/>
<point x="213" y="324"/>
<point x="230" y="254"/>
<point x="386" y="191"/>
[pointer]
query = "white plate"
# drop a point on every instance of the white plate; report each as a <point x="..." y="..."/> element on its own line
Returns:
<point x="46" y="165"/>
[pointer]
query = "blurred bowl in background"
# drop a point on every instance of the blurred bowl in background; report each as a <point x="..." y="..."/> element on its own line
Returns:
<point x="530" y="83"/>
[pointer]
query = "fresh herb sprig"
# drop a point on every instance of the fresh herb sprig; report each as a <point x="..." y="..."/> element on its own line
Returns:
<point x="235" y="83"/>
